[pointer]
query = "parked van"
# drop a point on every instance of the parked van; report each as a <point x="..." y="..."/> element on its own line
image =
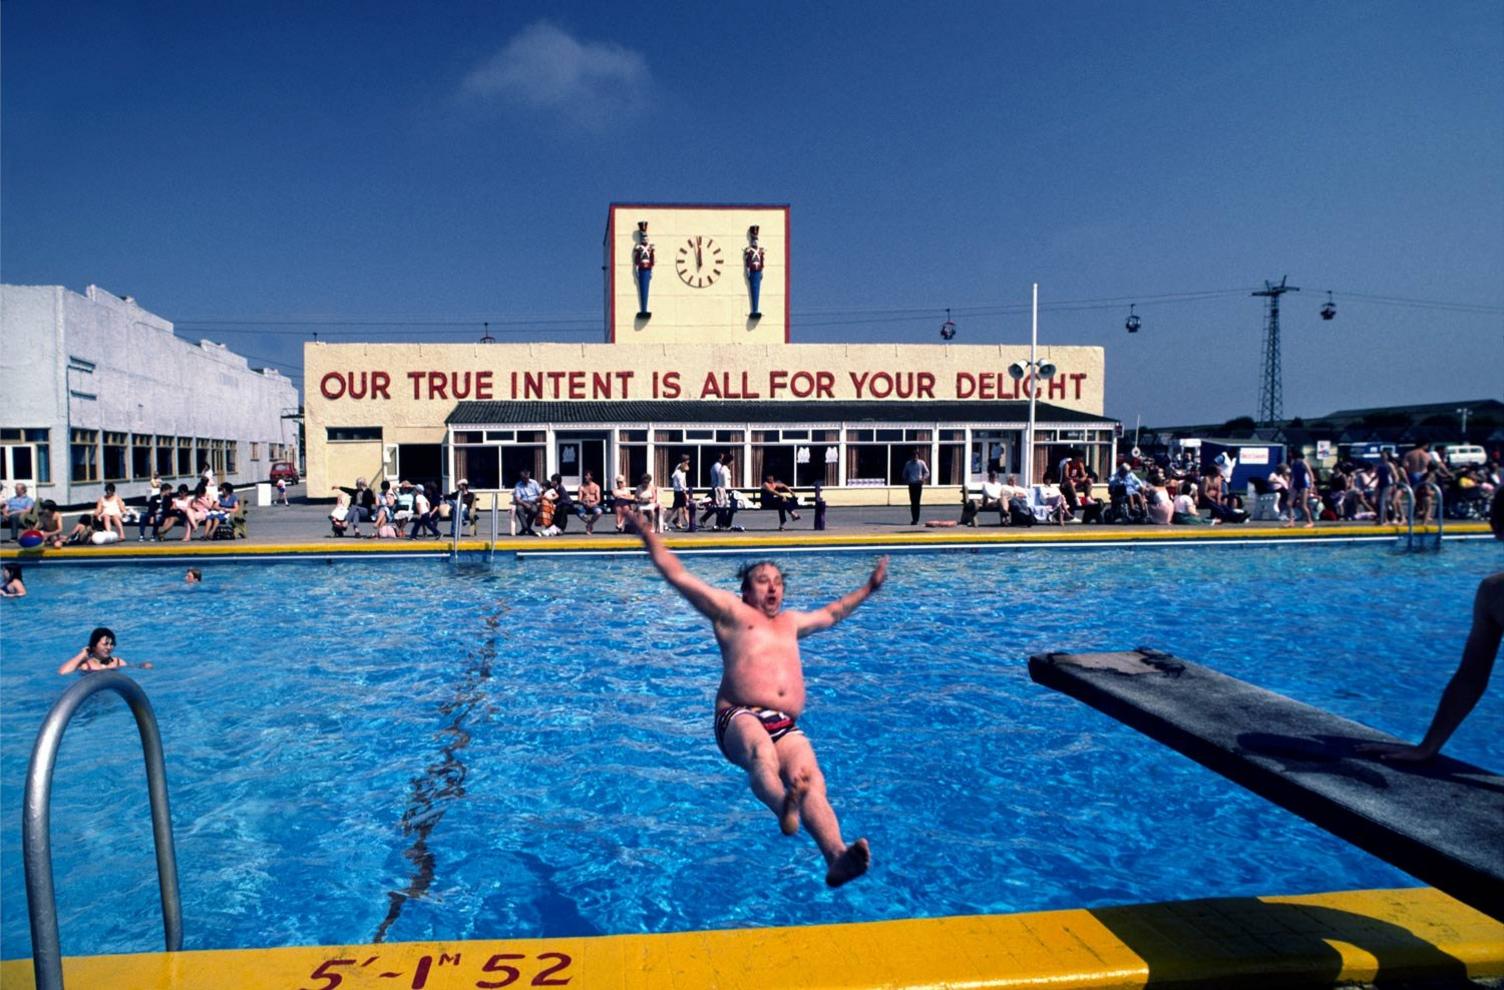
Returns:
<point x="1463" y="454"/>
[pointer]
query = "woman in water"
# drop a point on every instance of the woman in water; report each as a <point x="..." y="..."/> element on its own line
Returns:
<point x="98" y="655"/>
<point x="12" y="586"/>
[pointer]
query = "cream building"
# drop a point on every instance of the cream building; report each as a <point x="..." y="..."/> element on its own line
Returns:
<point x="694" y="372"/>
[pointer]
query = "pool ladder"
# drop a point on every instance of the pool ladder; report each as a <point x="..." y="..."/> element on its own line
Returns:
<point x="36" y="821"/>
<point x="454" y="549"/>
<point x="1412" y="542"/>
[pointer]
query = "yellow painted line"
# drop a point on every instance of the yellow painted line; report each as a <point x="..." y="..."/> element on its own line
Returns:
<point x="939" y="538"/>
<point x="1317" y="939"/>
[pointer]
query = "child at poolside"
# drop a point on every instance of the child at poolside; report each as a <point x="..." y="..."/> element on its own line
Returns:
<point x="98" y="655"/>
<point x="763" y="680"/>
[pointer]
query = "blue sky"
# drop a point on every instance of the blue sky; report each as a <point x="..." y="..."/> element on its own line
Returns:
<point x="256" y="172"/>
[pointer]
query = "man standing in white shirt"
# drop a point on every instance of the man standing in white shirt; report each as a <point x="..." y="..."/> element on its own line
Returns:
<point x="915" y="474"/>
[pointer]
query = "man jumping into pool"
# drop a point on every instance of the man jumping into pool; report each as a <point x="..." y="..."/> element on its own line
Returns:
<point x="762" y="694"/>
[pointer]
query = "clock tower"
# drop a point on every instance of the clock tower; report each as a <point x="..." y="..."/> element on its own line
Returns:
<point x="722" y="273"/>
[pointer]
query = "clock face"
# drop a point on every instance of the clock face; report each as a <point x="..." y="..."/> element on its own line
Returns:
<point x="699" y="262"/>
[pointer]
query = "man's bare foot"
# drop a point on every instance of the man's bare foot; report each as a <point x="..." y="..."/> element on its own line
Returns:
<point x="850" y="864"/>
<point x="788" y="820"/>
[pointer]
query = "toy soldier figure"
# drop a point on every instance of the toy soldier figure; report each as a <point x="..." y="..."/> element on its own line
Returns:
<point x="753" y="258"/>
<point x="642" y="262"/>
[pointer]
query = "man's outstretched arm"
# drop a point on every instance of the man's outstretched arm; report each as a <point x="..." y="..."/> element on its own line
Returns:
<point x="1467" y="684"/>
<point x="824" y="618"/>
<point x="710" y="602"/>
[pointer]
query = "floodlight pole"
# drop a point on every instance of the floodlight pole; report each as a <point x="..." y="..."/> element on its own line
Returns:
<point x="1033" y="387"/>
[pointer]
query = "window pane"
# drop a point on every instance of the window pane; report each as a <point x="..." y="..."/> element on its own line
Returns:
<point x="481" y="466"/>
<point x="867" y="464"/>
<point x="514" y="459"/>
<point x="354" y="432"/>
<point x="114" y="461"/>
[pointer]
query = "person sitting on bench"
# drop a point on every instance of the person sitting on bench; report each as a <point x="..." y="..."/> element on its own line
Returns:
<point x="777" y="495"/>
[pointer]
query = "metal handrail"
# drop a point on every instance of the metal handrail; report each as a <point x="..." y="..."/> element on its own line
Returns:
<point x="1409" y="494"/>
<point x="495" y="524"/>
<point x="1441" y="513"/>
<point x="36" y="821"/>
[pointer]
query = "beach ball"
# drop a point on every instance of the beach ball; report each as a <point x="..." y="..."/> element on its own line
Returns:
<point x="30" y="539"/>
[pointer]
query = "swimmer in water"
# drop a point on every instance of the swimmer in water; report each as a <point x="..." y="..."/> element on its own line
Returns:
<point x="98" y="655"/>
<point x="762" y="693"/>
<point x="193" y="576"/>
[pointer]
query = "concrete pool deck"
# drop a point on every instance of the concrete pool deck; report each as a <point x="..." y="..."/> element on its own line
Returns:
<point x="1417" y="935"/>
<point x="302" y="529"/>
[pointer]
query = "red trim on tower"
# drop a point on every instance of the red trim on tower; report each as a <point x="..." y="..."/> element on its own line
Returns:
<point x="611" y="276"/>
<point x="787" y="338"/>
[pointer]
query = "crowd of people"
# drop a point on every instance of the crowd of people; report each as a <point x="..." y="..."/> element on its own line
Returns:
<point x="207" y="511"/>
<point x="1169" y="492"/>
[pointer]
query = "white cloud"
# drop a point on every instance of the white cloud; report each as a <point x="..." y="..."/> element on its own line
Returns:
<point x="589" y="83"/>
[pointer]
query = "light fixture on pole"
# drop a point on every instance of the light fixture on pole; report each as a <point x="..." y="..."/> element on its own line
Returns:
<point x="1034" y="369"/>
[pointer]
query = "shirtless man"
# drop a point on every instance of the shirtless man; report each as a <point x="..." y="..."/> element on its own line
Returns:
<point x="762" y="694"/>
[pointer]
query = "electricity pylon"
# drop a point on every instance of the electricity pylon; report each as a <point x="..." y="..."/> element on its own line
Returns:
<point x="1271" y="388"/>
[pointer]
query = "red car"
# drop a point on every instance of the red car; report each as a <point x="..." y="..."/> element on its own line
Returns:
<point x="284" y="469"/>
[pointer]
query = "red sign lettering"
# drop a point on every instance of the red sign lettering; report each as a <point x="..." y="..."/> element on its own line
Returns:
<point x="580" y="385"/>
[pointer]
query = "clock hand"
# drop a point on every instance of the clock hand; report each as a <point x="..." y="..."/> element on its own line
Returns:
<point x="699" y="262"/>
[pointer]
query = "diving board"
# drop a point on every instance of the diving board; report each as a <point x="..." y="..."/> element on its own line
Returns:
<point x="1442" y="821"/>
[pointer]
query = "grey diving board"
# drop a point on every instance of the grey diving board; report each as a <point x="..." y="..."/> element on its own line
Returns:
<point x="1441" y="821"/>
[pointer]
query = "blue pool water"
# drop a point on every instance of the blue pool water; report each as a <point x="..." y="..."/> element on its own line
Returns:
<point x="411" y="750"/>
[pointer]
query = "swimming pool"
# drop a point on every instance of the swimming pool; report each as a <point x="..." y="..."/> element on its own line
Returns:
<point x="412" y="750"/>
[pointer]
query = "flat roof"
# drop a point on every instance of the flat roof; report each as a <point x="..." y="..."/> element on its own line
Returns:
<point x="744" y="411"/>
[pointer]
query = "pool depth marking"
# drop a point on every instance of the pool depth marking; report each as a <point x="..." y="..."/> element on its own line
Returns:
<point x="1415" y="934"/>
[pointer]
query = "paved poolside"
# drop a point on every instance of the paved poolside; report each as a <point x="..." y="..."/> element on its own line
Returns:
<point x="302" y="528"/>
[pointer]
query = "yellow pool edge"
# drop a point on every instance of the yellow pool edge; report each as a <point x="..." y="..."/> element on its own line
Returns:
<point x="937" y="539"/>
<point x="1314" y="939"/>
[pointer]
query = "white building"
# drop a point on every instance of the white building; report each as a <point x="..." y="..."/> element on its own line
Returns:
<point x="96" y="389"/>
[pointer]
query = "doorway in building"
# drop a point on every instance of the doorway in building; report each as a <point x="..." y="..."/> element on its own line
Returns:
<point x="18" y="466"/>
<point x="420" y="463"/>
<point x="990" y="451"/>
<point x="576" y="453"/>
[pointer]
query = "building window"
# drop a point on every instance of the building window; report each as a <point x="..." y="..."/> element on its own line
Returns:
<point x="231" y="449"/>
<point x="339" y="433"/>
<point x="796" y="457"/>
<point x="255" y="451"/>
<point x="115" y="448"/>
<point x="164" y="456"/>
<point x="480" y="465"/>
<point x="21" y="462"/>
<point x="185" y="457"/>
<point x="950" y="464"/>
<point x="83" y="455"/>
<point x="141" y="444"/>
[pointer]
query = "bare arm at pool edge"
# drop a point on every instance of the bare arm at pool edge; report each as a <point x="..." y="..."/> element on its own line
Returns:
<point x="1467" y="684"/>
